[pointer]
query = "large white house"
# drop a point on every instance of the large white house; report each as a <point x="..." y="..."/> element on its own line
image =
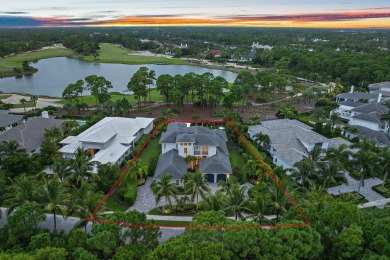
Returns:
<point x="291" y="140"/>
<point x="207" y="145"/>
<point x="109" y="140"/>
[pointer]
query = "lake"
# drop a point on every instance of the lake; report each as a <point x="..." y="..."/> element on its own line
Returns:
<point x="56" y="73"/>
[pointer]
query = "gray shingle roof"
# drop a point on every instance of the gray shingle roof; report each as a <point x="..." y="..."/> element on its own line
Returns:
<point x="350" y="103"/>
<point x="8" y="119"/>
<point x="357" y="95"/>
<point x="377" y="137"/>
<point x="369" y="117"/>
<point x="371" y="108"/>
<point x="289" y="156"/>
<point x="185" y="138"/>
<point x="172" y="163"/>
<point x="205" y="139"/>
<point x="379" y="85"/>
<point x="33" y="132"/>
<point x="219" y="163"/>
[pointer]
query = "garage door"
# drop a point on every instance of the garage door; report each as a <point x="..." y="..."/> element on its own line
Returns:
<point x="221" y="177"/>
<point x="210" y="177"/>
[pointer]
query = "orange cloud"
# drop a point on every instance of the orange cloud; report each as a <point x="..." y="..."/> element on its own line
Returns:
<point x="359" y="19"/>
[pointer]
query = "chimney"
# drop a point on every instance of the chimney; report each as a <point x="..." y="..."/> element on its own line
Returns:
<point x="379" y="97"/>
<point x="352" y="87"/>
<point x="45" y="114"/>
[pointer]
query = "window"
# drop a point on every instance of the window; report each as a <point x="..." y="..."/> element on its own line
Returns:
<point x="181" y="144"/>
<point x="165" y="146"/>
<point x="196" y="147"/>
<point x="185" y="152"/>
<point x="177" y="182"/>
<point x="276" y="159"/>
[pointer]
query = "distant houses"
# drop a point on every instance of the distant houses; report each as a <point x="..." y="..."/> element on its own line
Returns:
<point x="256" y="45"/>
<point x="30" y="133"/>
<point x="207" y="148"/>
<point x="109" y="140"/>
<point x="291" y="140"/>
<point x="364" y="113"/>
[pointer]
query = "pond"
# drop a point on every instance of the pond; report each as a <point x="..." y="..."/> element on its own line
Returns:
<point x="56" y="73"/>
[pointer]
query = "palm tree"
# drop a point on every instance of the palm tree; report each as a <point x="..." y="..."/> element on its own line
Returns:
<point x="190" y="160"/>
<point x="62" y="169"/>
<point x="80" y="169"/>
<point x="302" y="170"/>
<point x="10" y="148"/>
<point x="385" y="159"/>
<point x="319" y="198"/>
<point x="255" y="170"/>
<point x="53" y="198"/>
<point x="141" y="171"/>
<point x="262" y="140"/>
<point x="34" y="99"/>
<point x="236" y="200"/>
<point x="151" y="76"/>
<point x="365" y="160"/>
<point x="164" y="187"/>
<point x="334" y="118"/>
<point x="85" y="201"/>
<point x="53" y="133"/>
<point x="256" y="208"/>
<point x="197" y="185"/>
<point x="21" y="190"/>
<point x="331" y="172"/>
<point x="23" y="101"/>
<point x="69" y="125"/>
<point x="340" y="154"/>
<point x="276" y="199"/>
<point x="214" y="202"/>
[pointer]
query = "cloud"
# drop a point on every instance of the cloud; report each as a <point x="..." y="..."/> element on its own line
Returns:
<point x="303" y="19"/>
<point x="14" y="13"/>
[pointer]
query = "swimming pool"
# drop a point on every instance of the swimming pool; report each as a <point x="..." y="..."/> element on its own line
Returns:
<point x="81" y="122"/>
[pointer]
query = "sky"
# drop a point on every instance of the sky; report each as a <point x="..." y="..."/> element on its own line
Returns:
<point x="255" y="13"/>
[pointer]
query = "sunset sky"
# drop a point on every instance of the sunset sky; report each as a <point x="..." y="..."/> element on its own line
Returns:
<point x="271" y="13"/>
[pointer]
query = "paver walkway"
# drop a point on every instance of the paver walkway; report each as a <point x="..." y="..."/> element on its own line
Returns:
<point x="353" y="185"/>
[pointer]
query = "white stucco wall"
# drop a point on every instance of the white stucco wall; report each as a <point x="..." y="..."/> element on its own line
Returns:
<point x="148" y="128"/>
<point x="212" y="150"/>
<point x="371" y="125"/>
<point x="190" y="149"/>
<point x="166" y="147"/>
<point x="279" y="162"/>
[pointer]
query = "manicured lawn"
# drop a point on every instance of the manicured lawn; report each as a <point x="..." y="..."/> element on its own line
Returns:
<point x="4" y="96"/>
<point x="171" y="223"/>
<point x="112" y="205"/>
<point x="111" y="53"/>
<point x="91" y="101"/>
<point x="8" y="63"/>
<point x="152" y="150"/>
<point x="27" y="104"/>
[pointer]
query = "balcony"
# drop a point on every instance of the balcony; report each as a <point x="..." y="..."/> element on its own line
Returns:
<point x="196" y="152"/>
<point x="205" y="153"/>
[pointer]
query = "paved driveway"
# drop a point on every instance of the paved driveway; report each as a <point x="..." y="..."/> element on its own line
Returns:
<point x="353" y="185"/>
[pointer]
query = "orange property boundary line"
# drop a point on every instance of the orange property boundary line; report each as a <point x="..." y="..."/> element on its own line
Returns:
<point x="307" y="222"/>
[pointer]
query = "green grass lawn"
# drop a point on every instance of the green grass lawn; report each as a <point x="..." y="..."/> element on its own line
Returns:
<point x="27" y="104"/>
<point x="171" y="223"/>
<point x="111" y="53"/>
<point x="7" y="64"/>
<point x="111" y="204"/>
<point x="152" y="150"/>
<point x="4" y="96"/>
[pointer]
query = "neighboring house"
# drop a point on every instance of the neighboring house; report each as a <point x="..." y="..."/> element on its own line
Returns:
<point x="30" y="134"/>
<point x="291" y="140"/>
<point x="369" y="115"/>
<point x="379" y="138"/>
<point x="256" y="45"/>
<point x="109" y="140"/>
<point x="215" y="53"/>
<point x="252" y="55"/>
<point x="208" y="146"/>
<point x="357" y="97"/>
<point x="7" y="121"/>
<point x="381" y="88"/>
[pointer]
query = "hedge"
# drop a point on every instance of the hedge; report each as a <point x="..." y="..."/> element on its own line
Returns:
<point x="131" y="194"/>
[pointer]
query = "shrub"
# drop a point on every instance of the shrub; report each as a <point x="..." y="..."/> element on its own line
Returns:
<point x="261" y="100"/>
<point x="131" y="194"/>
<point x="152" y="165"/>
<point x="121" y="193"/>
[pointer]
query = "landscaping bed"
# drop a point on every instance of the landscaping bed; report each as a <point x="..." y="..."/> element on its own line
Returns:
<point x="172" y="211"/>
<point x="385" y="192"/>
